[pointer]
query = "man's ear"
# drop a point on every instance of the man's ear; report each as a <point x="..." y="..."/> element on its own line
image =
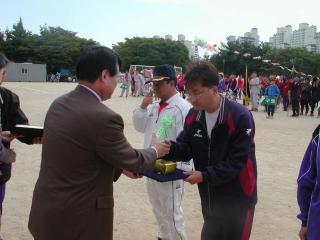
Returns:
<point x="215" y="89"/>
<point x="104" y="74"/>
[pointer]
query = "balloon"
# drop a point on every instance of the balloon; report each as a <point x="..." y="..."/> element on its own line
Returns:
<point x="203" y="44"/>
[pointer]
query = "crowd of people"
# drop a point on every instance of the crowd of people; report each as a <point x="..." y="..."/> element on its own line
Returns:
<point x="301" y="92"/>
<point x="210" y="137"/>
<point x="134" y="81"/>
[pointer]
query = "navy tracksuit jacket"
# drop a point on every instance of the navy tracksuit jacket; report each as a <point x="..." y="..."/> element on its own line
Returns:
<point x="227" y="160"/>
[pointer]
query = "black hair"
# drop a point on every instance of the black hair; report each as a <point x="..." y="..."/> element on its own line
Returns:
<point x="93" y="60"/>
<point x="174" y="80"/>
<point x="3" y="60"/>
<point x="204" y="72"/>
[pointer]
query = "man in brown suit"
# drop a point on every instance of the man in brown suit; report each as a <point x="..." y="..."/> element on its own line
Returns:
<point x="84" y="151"/>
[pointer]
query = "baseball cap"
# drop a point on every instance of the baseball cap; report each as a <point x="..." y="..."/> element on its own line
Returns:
<point x="164" y="72"/>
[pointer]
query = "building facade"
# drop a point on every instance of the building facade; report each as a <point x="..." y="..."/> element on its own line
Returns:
<point x="305" y="36"/>
<point x="250" y="37"/>
<point x="26" y="72"/>
<point x="181" y="38"/>
<point x="282" y="39"/>
<point x="318" y="42"/>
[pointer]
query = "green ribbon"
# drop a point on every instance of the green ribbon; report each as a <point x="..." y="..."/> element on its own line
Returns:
<point x="162" y="133"/>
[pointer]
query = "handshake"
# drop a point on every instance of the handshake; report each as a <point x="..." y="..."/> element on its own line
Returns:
<point x="162" y="148"/>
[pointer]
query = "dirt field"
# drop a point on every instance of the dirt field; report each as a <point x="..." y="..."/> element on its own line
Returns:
<point x="280" y="145"/>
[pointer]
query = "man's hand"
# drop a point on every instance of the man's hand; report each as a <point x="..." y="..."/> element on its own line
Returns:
<point x="131" y="174"/>
<point x="194" y="177"/>
<point x="37" y="140"/>
<point x="163" y="148"/>
<point x="13" y="156"/>
<point x="146" y="101"/>
<point x="7" y="136"/>
<point x="303" y="233"/>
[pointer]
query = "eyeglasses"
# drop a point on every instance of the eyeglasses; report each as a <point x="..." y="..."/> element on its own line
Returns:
<point x="195" y="96"/>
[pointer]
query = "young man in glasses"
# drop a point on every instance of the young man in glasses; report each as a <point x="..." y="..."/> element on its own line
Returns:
<point x="219" y="135"/>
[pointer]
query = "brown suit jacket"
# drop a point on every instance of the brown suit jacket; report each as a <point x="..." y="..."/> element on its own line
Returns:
<point x="83" y="149"/>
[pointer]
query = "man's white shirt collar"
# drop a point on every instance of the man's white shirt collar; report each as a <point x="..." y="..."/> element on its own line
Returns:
<point x="98" y="97"/>
<point x="171" y="99"/>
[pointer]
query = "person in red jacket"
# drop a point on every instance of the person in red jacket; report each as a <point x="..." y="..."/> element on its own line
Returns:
<point x="240" y="86"/>
<point x="284" y="91"/>
<point x="180" y="85"/>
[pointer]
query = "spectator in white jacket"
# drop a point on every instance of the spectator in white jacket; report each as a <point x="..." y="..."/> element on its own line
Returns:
<point x="254" y="84"/>
<point x="165" y="198"/>
<point x="139" y="82"/>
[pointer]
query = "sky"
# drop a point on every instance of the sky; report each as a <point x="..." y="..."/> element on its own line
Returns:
<point x="110" y="22"/>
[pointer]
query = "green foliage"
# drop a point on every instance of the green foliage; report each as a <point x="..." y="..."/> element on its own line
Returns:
<point x="303" y="60"/>
<point x="16" y="45"/>
<point x="58" y="48"/>
<point x="1" y="41"/>
<point x="55" y="46"/>
<point x="151" y="52"/>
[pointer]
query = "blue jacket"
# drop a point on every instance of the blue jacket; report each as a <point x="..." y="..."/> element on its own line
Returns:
<point x="309" y="188"/>
<point x="272" y="91"/>
<point x="221" y="86"/>
<point x="227" y="160"/>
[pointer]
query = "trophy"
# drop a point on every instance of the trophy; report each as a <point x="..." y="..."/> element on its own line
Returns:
<point x="162" y="166"/>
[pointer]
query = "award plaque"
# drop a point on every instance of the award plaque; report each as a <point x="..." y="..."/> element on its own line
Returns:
<point x="165" y="167"/>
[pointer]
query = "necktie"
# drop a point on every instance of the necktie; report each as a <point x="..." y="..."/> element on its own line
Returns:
<point x="162" y="104"/>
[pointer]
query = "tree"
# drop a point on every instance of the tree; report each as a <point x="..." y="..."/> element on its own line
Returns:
<point x="152" y="52"/>
<point x="302" y="60"/>
<point x="58" y="48"/>
<point x="231" y="57"/>
<point x="1" y="41"/>
<point x="227" y="59"/>
<point x="17" y="43"/>
<point x="55" y="46"/>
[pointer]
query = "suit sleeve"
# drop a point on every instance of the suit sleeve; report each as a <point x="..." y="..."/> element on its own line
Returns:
<point x="240" y="149"/>
<point x="306" y="181"/>
<point x="113" y="147"/>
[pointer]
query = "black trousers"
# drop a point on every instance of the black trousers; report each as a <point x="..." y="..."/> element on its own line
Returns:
<point x="232" y="226"/>
<point x="295" y="106"/>
<point x="313" y="104"/>
<point x="304" y="104"/>
<point x="285" y="102"/>
<point x="270" y="109"/>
